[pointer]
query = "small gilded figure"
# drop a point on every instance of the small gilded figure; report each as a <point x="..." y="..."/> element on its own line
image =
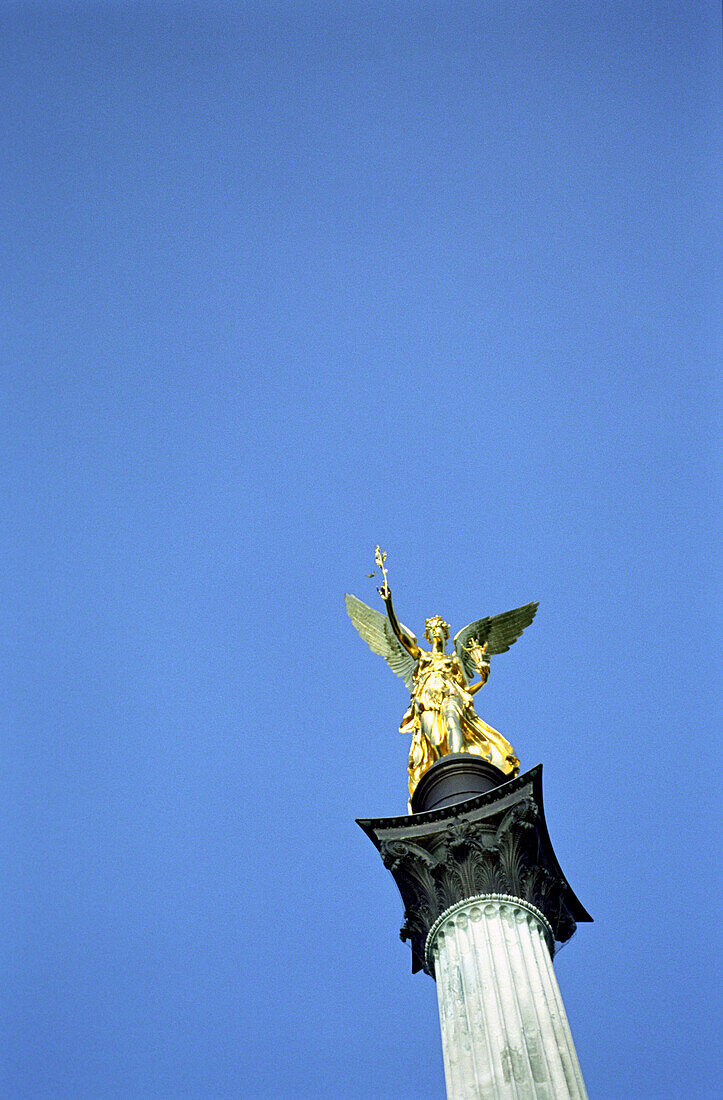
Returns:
<point x="441" y="717"/>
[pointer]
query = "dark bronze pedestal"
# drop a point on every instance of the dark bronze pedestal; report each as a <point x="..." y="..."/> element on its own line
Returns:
<point x="455" y="778"/>
<point x="455" y="847"/>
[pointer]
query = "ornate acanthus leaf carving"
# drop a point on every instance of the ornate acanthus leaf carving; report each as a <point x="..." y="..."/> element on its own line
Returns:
<point x="495" y="846"/>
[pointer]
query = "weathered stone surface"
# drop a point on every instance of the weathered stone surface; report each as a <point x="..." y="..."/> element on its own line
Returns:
<point x="505" y="1033"/>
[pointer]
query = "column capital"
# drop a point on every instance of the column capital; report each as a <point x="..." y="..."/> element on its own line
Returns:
<point x="496" y="843"/>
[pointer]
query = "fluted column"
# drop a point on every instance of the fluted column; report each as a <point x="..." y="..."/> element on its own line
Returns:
<point x="504" y="1029"/>
<point x="485" y="902"/>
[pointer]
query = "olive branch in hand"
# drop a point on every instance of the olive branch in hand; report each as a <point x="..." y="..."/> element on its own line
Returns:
<point x="380" y="556"/>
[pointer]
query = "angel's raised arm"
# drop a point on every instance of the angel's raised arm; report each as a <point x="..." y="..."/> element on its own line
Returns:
<point x="404" y="635"/>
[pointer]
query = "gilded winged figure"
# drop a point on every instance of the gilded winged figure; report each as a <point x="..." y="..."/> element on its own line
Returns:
<point x="441" y="717"/>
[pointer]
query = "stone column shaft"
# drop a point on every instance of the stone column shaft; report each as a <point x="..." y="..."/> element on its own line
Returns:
<point x="485" y="902"/>
<point x="504" y="1029"/>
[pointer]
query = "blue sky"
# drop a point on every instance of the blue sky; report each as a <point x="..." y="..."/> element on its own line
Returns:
<point x="280" y="282"/>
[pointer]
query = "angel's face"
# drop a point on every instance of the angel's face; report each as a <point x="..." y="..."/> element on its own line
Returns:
<point x="436" y="631"/>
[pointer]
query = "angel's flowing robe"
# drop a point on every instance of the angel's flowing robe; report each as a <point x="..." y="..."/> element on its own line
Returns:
<point x="439" y="681"/>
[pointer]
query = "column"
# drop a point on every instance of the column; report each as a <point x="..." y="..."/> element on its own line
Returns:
<point x="504" y="1029"/>
<point x="485" y="903"/>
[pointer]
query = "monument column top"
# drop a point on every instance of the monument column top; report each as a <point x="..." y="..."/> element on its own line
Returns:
<point x="495" y="843"/>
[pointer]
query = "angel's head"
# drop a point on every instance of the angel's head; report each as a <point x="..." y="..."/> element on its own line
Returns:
<point x="436" y="627"/>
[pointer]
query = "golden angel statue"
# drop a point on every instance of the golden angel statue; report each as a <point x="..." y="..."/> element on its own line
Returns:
<point x="441" y="716"/>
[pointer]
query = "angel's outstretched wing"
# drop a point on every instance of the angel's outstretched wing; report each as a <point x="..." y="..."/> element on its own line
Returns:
<point x="499" y="631"/>
<point x="375" y="629"/>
